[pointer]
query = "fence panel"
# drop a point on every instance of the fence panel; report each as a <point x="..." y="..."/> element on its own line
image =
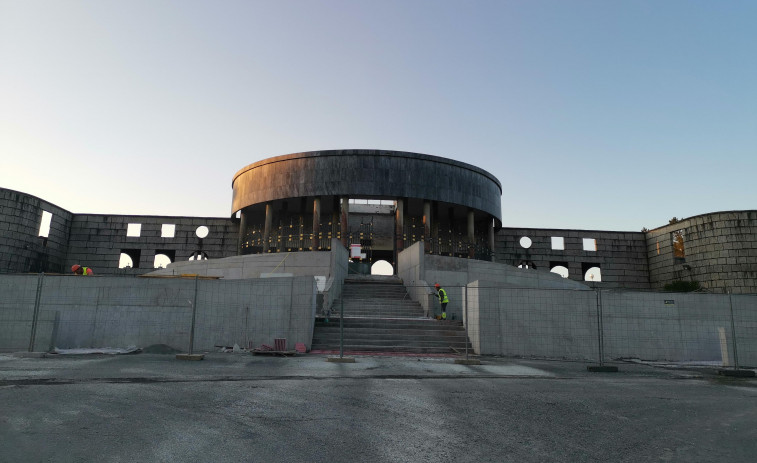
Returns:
<point x="99" y="312"/>
<point x="533" y="322"/>
<point x="19" y="293"/>
<point x="745" y="327"/>
<point x="586" y="325"/>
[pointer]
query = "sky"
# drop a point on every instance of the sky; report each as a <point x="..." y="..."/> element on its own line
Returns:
<point x="594" y="115"/>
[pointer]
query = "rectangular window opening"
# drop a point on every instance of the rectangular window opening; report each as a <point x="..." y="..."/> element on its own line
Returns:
<point x="168" y="230"/>
<point x="558" y="242"/>
<point x="590" y="244"/>
<point x="134" y="229"/>
<point x="678" y="238"/>
<point x="44" y="226"/>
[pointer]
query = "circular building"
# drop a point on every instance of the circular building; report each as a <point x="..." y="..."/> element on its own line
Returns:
<point x="382" y="200"/>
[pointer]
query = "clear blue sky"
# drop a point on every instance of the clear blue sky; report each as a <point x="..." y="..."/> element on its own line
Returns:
<point x="612" y="115"/>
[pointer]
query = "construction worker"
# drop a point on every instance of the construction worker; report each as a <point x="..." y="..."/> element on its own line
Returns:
<point x="443" y="300"/>
<point x="79" y="270"/>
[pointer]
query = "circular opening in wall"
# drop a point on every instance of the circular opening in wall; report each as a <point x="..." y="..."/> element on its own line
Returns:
<point x="525" y="242"/>
<point x="202" y="231"/>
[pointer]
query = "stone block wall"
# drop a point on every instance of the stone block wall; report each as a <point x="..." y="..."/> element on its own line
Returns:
<point x="620" y="256"/>
<point x="21" y="248"/>
<point x="97" y="241"/>
<point x="720" y="252"/>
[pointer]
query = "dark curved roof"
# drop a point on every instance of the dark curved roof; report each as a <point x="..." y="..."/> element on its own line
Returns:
<point x="369" y="173"/>
<point x="353" y="152"/>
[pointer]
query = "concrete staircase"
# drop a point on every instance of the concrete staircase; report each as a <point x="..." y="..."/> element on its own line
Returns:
<point x="379" y="316"/>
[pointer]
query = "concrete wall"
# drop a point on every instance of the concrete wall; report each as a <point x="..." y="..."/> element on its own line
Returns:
<point x="563" y="324"/>
<point x="621" y="256"/>
<point x="119" y="312"/>
<point x="328" y="267"/>
<point x="316" y="263"/>
<point x="420" y="271"/>
<point x="21" y="247"/>
<point x="720" y="252"/>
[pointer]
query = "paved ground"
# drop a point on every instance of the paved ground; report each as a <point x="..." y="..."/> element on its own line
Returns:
<point x="236" y="407"/>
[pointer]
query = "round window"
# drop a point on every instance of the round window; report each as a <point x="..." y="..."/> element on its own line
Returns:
<point x="525" y="242"/>
<point x="202" y="231"/>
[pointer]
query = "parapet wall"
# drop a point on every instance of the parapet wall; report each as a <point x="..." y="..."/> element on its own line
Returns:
<point x="620" y="256"/>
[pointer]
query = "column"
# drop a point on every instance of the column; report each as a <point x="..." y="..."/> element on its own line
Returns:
<point x="334" y="218"/>
<point x="471" y="233"/>
<point x="268" y="226"/>
<point x="399" y="225"/>
<point x="315" y="243"/>
<point x="344" y="220"/>
<point x="491" y="237"/>
<point x="435" y="228"/>
<point x="427" y="226"/>
<point x="242" y="231"/>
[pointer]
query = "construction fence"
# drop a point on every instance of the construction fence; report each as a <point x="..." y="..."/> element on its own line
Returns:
<point x="45" y="312"/>
<point x="605" y="325"/>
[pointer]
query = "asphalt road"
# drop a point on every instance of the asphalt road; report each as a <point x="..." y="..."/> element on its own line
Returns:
<point x="240" y="408"/>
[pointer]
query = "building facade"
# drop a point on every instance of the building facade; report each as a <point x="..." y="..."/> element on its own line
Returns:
<point x="383" y="201"/>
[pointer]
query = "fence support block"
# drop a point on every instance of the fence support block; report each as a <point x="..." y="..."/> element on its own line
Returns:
<point x="602" y="368"/>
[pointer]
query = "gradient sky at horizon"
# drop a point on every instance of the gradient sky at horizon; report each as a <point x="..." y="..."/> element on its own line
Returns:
<point x="592" y="114"/>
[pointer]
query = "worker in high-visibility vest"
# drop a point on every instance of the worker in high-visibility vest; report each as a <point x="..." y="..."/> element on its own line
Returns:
<point x="443" y="300"/>
<point x="79" y="270"/>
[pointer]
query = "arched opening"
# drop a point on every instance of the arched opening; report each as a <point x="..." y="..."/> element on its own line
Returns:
<point x="129" y="258"/>
<point x="161" y="261"/>
<point x="560" y="270"/>
<point x="382" y="267"/>
<point x="527" y="264"/>
<point x="592" y="272"/>
<point x="198" y="255"/>
<point x="125" y="261"/>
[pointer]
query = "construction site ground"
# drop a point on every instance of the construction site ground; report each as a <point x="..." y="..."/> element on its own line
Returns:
<point x="239" y="407"/>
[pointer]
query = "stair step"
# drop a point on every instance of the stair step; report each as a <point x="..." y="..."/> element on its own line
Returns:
<point x="380" y="316"/>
